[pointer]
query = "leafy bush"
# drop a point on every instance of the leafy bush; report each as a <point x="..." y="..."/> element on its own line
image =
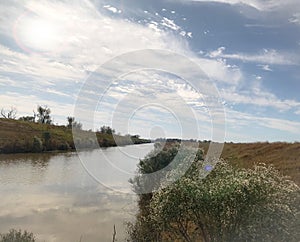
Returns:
<point x="63" y="146"/>
<point x="37" y="145"/>
<point x="17" y="236"/>
<point x="47" y="139"/>
<point x="228" y="205"/>
<point x="106" y="130"/>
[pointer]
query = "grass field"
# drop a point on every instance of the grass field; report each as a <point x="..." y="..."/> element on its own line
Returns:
<point x="284" y="156"/>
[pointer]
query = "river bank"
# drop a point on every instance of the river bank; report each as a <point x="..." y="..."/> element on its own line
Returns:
<point x="29" y="137"/>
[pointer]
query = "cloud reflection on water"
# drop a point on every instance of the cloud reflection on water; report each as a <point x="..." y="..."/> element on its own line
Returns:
<point x="58" y="201"/>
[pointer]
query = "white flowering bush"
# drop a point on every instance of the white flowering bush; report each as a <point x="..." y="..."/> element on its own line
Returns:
<point x="229" y="204"/>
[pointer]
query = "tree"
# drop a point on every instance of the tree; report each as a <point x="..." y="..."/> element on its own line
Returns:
<point x="9" y="114"/>
<point x="73" y="124"/>
<point x="43" y="115"/>
<point x="229" y="204"/>
<point x="106" y="130"/>
<point x="70" y="122"/>
<point x="77" y="125"/>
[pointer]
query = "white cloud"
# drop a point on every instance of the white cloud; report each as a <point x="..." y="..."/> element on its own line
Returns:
<point x="261" y="99"/>
<point x="37" y="66"/>
<point x="261" y="25"/>
<point x="217" y="53"/>
<point x="89" y="38"/>
<point x="256" y="96"/>
<point x="281" y="124"/>
<point x="295" y="18"/>
<point x="170" y="24"/>
<point x="267" y="5"/>
<point x="266" y="56"/>
<point x="112" y="9"/>
<point x="153" y="98"/>
<point x="56" y="92"/>
<point x="219" y="70"/>
<point x="244" y="119"/>
<point x="285" y="10"/>
<point x="154" y="25"/>
<point x="265" y="67"/>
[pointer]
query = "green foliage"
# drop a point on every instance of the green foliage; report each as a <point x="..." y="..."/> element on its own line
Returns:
<point x="47" y="136"/>
<point x="17" y="236"/>
<point x="228" y="205"/>
<point x="63" y="146"/>
<point x="70" y="121"/>
<point x="106" y="130"/>
<point x="73" y="124"/>
<point x="17" y="136"/>
<point x="27" y="118"/>
<point x="47" y="139"/>
<point x="43" y="114"/>
<point x="37" y="145"/>
<point x="77" y="125"/>
<point x="159" y="159"/>
<point x="144" y="228"/>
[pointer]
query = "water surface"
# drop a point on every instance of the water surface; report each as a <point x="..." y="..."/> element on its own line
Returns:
<point x="53" y="196"/>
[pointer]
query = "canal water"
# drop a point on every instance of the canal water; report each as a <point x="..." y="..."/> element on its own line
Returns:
<point x="66" y="197"/>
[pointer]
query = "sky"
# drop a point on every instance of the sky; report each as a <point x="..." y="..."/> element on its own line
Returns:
<point x="248" y="51"/>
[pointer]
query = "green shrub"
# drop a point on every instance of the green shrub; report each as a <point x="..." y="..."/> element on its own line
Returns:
<point x="37" y="145"/>
<point x="17" y="236"/>
<point x="229" y="204"/>
<point x="47" y="139"/>
<point x="63" y="146"/>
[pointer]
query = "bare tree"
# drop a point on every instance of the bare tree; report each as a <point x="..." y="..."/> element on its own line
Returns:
<point x="9" y="114"/>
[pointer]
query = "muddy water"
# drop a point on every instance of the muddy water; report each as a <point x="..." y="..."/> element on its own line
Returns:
<point x="53" y="196"/>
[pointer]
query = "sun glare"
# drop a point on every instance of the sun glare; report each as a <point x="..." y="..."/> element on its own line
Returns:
<point x="37" y="34"/>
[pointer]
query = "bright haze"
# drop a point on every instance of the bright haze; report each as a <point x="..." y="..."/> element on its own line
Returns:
<point x="250" y="50"/>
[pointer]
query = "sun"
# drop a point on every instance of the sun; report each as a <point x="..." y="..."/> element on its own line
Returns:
<point x="37" y="34"/>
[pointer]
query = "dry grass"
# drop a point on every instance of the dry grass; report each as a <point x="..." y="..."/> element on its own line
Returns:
<point x="284" y="156"/>
<point x="14" y="133"/>
<point x="17" y="137"/>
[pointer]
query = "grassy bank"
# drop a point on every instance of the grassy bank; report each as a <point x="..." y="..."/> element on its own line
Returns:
<point x="284" y="156"/>
<point x="22" y="137"/>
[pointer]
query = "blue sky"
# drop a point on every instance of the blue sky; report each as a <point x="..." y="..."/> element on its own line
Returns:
<point x="249" y="50"/>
